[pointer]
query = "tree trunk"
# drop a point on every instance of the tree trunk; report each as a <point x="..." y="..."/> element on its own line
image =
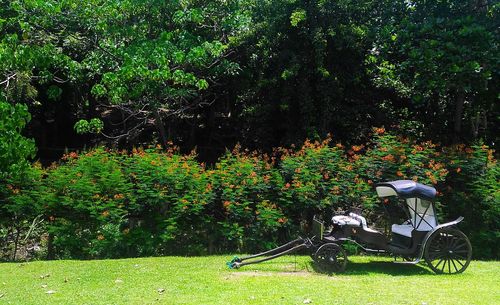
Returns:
<point x="161" y="128"/>
<point x="16" y="243"/>
<point x="476" y="122"/>
<point x="50" y="247"/>
<point x="459" y="109"/>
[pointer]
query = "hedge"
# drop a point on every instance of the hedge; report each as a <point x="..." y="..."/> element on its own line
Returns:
<point x="106" y="203"/>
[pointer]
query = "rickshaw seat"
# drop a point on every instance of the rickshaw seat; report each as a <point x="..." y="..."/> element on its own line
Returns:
<point x="406" y="228"/>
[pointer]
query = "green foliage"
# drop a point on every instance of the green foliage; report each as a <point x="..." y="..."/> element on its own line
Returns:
<point x="320" y="178"/>
<point x="247" y="190"/>
<point x="442" y="55"/>
<point x="93" y="126"/>
<point x="14" y="147"/>
<point x="154" y="202"/>
<point x="297" y="17"/>
<point x="149" y="57"/>
<point x="473" y="192"/>
<point x="19" y="183"/>
<point x="86" y="201"/>
<point x="172" y="194"/>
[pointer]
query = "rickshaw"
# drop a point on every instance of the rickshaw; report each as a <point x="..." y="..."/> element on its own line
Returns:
<point x="420" y="237"/>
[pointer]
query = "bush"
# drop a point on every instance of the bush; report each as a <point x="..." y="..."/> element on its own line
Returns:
<point x="247" y="210"/>
<point x="320" y="179"/>
<point x="172" y="193"/>
<point x="17" y="211"/>
<point x="472" y="190"/>
<point x="104" y="203"/>
<point x="86" y="201"/>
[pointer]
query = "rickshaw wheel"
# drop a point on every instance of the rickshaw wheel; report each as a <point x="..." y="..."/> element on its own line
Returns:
<point x="330" y="258"/>
<point x="448" y="251"/>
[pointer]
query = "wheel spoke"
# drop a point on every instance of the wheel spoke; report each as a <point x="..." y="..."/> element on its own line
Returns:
<point x="460" y="256"/>
<point x="436" y="255"/>
<point x="454" y="266"/>
<point x="439" y="263"/>
<point x="458" y="261"/>
<point x="460" y="246"/>
<point x="444" y="265"/>
<point x="456" y="241"/>
<point x="449" y="240"/>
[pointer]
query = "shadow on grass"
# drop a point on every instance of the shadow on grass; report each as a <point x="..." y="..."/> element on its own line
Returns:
<point x="380" y="267"/>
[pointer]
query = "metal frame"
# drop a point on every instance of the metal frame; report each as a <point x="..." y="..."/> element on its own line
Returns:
<point x="431" y="203"/>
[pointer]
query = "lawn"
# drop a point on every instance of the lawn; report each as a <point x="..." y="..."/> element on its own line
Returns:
<point x="206" y="280"/>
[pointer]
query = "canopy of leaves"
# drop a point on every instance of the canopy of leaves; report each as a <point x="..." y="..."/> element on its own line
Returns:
<point x="264" y="73"/>
<point x="14" y="147"/>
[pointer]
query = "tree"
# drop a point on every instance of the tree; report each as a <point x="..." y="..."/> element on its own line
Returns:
<point x="444" y="56"/>
<point x="304" y="72"/>
<point x="139" y="63"/>
<point x="15" y="149"/>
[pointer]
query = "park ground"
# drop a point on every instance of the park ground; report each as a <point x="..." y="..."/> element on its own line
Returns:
<point x="207" y="280"/>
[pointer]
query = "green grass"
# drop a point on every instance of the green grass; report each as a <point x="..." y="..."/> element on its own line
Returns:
<point x="206" y="280"/>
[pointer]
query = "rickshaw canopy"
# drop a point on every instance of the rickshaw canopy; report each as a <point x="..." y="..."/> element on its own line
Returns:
<point x="405" y="189"/>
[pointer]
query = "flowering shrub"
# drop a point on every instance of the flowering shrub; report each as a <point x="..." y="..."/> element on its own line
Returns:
<point x="152" y="202"/>
<point x="393" y="158"/>
<point x="172" y="193"/>
<point x="85" y="200"/>
<point x="320" y="178"/>
<point x="21" y="209"/>
<point x="247" y="193"/>
<point x="472" y="190"/>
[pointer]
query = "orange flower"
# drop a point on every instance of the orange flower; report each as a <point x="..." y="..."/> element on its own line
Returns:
<point x="325" y="176"/>
<point x="418" y="148"/>
<point x="336" y="190"/>
<point x="358" y="147"/>
<point x="282" y="220"/>
<point x="287" y="185"/>
<point x="100" y="237"/>
<point x="399" y="173"/>
<point x="226" y="204"/>
<point x="105" y="213"/>
<point x="118" y="196"/>
<point x="370" y="182"/>
<point x="458" y="170"/>
<point x="253" y="174"/>
<point x="379" y="130"/>
<point x="389" y="158"/>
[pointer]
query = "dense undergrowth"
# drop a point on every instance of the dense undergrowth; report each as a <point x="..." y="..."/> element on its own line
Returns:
<point x="104" y="203"/>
